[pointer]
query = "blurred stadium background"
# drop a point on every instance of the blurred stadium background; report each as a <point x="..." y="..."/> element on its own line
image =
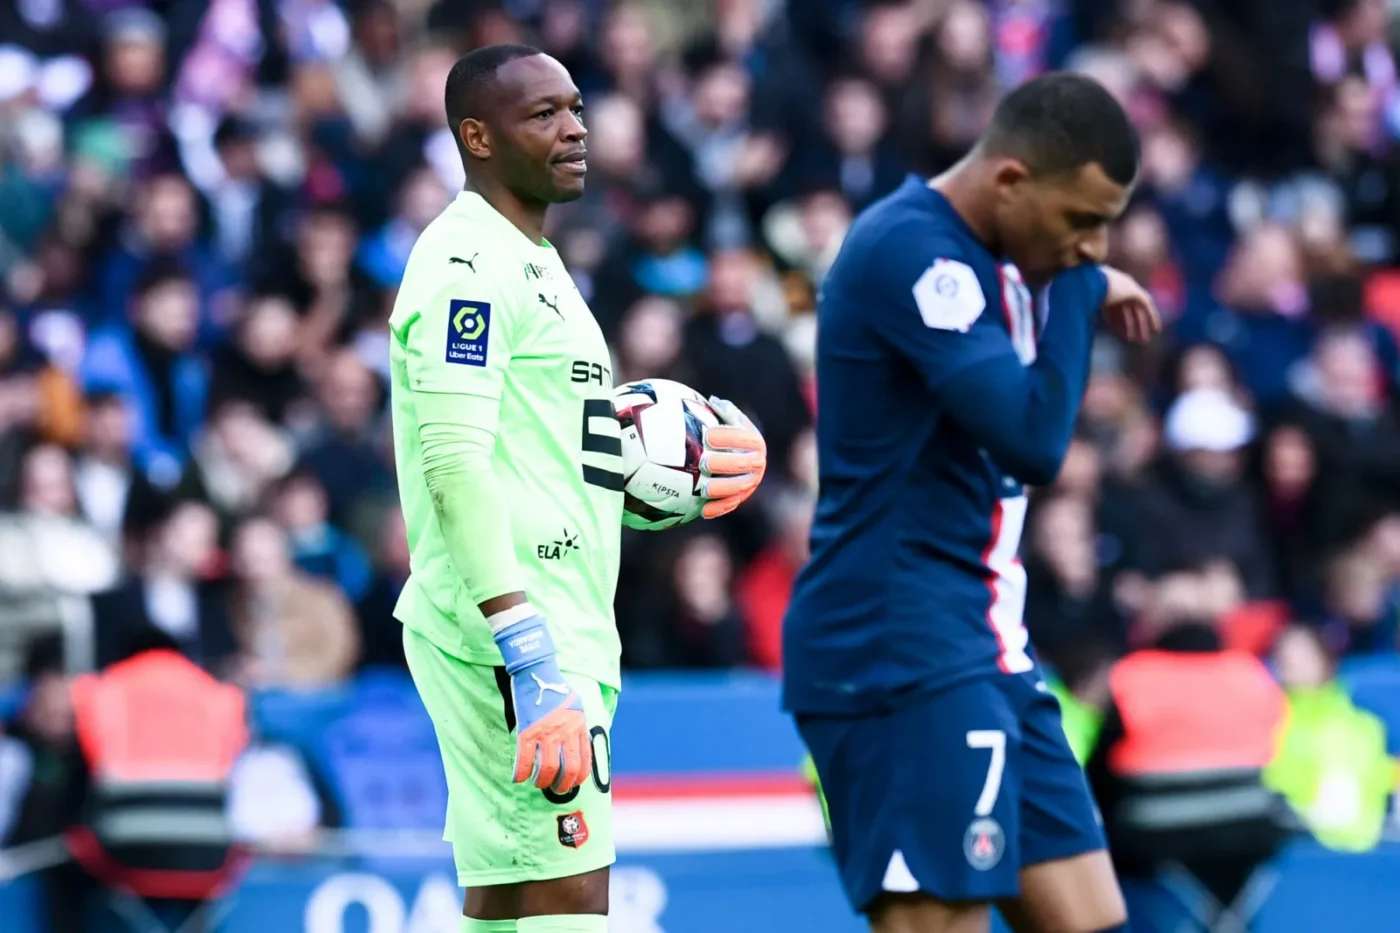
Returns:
<point x="205" y="206"/>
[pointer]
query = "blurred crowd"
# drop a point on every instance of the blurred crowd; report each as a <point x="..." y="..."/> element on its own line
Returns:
<point x="206" y="206"/>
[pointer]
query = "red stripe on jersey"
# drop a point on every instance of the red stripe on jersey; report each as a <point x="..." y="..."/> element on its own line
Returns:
<point x="991" y="580"/>
<point x="1006" y="304"/>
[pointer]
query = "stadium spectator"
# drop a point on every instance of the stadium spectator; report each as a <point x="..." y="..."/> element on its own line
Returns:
<point x="159" y="738"/>
<point x="734" y="358"/>
<point x="1115" y="416"/>
<point x="1344" y="140"/>
<point x="111" y="491"/>
<point x="238" y="455"/>
<point x="1291" y="500"/>
<point x="258" y="364"/>
<point x="1331" y="763"/>
<point x="381" y="635"/>
<point x="1192" y="196"/>
<point x="1144" y="248"/>
<point x="126" y="94"/>
<point x="649" y="341"/>
<point x="656" y="255"/>
<point x="706" y="629"/>
<point x="371" y="77"/>
<point x="806" y="232"/>
<point x="163" y="234"/>
<point x="153" y="364"/>
<point x="945" y="110"/>
<point x="1196" y="502"/>
<point x="1361" y="606"/>
<point x="292" y="631"/>
<point x="1177" y="782"/>
<point x="1069" y="604"/>
<point x="384" y="253"/>
<point x="56" y="775"/>
<point x="1261" y="318"/>
<point x="346" y="449"/>
<point x="765" y="585"/>
<point x="43" y="726"/>
<point x="36" y="397"/>
<point x="1356" y="433"/>
<point x="853" y="159"/>
<point x="174" y="588"/>
<point x="47" y="553"/>
<point x="418" y="133"/>
<point x="329" y="292"/>
<point x="249" y="212"/>
<point x="318" y="548"/>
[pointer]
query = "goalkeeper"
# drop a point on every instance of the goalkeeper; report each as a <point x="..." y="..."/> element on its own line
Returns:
<point x="509" y="472"/>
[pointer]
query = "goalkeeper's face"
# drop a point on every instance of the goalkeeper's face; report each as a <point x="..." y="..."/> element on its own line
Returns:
<point x="537" y="133"/>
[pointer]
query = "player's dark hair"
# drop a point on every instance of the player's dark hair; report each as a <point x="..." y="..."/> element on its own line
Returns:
<point x="472" y="75"/>
<point x="1061" y="121"/>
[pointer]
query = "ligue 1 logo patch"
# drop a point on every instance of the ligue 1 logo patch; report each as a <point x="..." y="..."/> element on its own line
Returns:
<point x="573" y="830"/>
<point x="468" y="324"/>
<point x="984" y="843"/>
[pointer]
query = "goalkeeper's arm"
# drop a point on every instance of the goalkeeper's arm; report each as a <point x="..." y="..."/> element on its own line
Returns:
<point x="552" y="744"/>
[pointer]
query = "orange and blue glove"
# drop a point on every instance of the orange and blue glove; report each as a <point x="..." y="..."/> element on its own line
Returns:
<point x="734" y="460"/>
<point x="552" y="745"/>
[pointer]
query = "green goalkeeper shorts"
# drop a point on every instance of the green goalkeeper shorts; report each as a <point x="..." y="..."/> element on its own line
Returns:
<point x="502" y="832"/>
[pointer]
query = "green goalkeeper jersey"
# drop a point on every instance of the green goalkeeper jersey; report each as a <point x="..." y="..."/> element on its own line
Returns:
<point x="494" y="320"/>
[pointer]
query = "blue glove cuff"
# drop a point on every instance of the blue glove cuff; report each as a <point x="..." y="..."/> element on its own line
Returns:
<point x="525" y="644"/>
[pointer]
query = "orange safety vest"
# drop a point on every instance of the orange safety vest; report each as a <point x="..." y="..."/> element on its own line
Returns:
<point x="1194" y="711"/>
<point x="157" y="717"/>
<point x="160" y="738"/>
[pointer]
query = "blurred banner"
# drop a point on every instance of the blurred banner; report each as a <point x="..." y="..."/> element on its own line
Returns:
<point x="719" y="832"/>
<point x="1309" y="888"/>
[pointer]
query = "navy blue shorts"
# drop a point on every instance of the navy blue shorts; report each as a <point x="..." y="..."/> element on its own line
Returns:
<point x="953" y="793"/>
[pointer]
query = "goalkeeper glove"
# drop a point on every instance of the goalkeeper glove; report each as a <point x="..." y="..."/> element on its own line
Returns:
<point x="552" y="746"/>
<point x="733" y="462"/>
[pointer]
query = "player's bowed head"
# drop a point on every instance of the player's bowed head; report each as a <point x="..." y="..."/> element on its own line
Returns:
<point x="1054" y="168"/>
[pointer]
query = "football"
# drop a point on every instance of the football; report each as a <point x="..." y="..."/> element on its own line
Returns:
<point x="663" y="435"/>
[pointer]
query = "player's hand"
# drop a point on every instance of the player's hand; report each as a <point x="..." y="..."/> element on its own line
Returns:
<point x="553" y="749"/>
<point x="733" y="462"/>
<point x="552" y="746"/>
<point x="1128" y="309"/>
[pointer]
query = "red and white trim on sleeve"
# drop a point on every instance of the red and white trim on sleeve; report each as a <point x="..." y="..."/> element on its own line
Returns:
<point x="1019" y="310"/>
<point x="1006" y="584"/>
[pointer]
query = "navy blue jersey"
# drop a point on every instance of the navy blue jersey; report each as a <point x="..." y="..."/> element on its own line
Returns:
<point x="942" y="390"/>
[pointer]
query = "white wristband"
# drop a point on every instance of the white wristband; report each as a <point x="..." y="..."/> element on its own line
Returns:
<point x="508" y="617"/>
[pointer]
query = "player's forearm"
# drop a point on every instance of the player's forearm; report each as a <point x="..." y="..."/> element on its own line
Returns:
<point x="470" y="509"/>
<point x="1024" y="416"/>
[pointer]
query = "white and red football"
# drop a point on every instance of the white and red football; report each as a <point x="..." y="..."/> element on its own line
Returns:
<point x="663" y="435"/>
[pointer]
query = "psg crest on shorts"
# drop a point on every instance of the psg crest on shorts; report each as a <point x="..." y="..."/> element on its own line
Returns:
<point x="983" y="843"/>
<point x="573" y="831"/>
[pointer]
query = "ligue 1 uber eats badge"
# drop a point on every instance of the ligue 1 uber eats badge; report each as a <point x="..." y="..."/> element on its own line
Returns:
<point x="573" y="831"/>
<point x="467" y="326"/>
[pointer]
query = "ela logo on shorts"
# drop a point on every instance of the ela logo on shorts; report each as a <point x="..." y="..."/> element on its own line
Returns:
<point x="573" y="831"/>
<point x="983" y="843"/>
<point x="467" y="324"/>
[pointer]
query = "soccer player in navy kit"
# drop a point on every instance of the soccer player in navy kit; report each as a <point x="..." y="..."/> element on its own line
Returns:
<point x="945" y="389"/>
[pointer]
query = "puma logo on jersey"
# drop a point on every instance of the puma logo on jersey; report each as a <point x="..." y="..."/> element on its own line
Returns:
<point x="469" y="263"/>
<point x="552" y="305"/>
<point x="560" y="688"/>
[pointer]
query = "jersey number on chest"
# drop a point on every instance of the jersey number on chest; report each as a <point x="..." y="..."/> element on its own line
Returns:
<point x="604" y="470"/>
